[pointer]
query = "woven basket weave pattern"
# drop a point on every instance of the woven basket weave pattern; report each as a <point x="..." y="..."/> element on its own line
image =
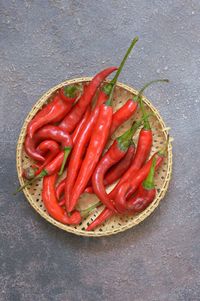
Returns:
<point x="116" y="223"/>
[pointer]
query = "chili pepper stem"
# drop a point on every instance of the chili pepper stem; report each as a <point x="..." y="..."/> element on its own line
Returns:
<point x="139" y="98"/>
<point x="70" y="91"/>
<point x="125" y="139"/>
<point x="86" y="212"/>
<point x="110" y="87"/>
<point x="149" y="181"/>
<point x="67" y="151"/>
<point x="40" y="176"/>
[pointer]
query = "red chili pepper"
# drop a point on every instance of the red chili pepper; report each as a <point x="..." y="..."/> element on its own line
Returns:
<point x="80" y="125"/>
<point x="114" y="154"/>
<point x="73" y="118"/>
<point x="54" y="132"/>
<point x="50" y="146"/>
<point x="115" y="172"/>
<point x="123" y="114"/>
<point x="145" y="193"/>
<point x="104" y="215"/>
<point x="57" y="109"/>
<point x="142" y="174"/>
<point x="98" y="140"/>
<point x="50" y="169"/>
<point x="51" y="203"/>
<point x="129" y="187"/>
<point x="143" y="146"/>
<point x="29" y="146"/>
<point x="69" y="93"/>
<point x="60" y="188"/>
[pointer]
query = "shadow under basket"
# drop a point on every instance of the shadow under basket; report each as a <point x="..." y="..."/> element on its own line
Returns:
<point x="117" y="223"/>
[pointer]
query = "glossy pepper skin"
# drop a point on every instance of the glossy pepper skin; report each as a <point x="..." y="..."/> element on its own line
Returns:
<point x="123" y="114"/>
<point x="50" y="169"/>
<point x="78" y="152"/>
<point x="58" y="108"/>
<point x="129" y="188"/>
<point x="80" y="126"/>
<point x="145" y="194"/>
<point x="114" y="154"/>
<point x="73" y="118"/>
<point x="115" y="172"/>
<point x="51" y="203"/>
<point x="50" y="146"/>
<point x="94" y="151"/>
<point x="144" y="143"/>
<point x="54" y="132"/>
<point x="98" y="139"/>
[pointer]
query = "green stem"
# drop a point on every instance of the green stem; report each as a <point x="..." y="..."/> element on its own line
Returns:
<point x="87" y="211"/>
<point x="139" y="97"/>
<point x="125" y="139"/>
<point x="41" y="175"/>
<point x="111" y="86"/>
<point x="70" y="91"/>
<point x="67" y="151"/>
<point x="149" y="181"/>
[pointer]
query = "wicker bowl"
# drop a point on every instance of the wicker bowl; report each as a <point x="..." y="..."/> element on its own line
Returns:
<point x="116" y="223"/>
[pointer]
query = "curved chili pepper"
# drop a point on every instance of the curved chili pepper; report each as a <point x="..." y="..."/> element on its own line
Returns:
<point x="116" y="171"/>
<point x="129" y="187"/>
<point x="98" y="140"/>
<point x="69" y="93"/>
<point x="101" y="218"/>
<point x="51" y="168"/>
<point x="51" y="204"/>
<point x="142" y="174"/>
<point x="129" y="108"/>
<point x="60" y="188"/>
<point x="115" y="153"/>
<point x="58" y="108"/>
<point x="143" y="146"/>
<point x="50" y="146"/>
<point x="80" y="125"/>
<point x="72" y="119"/>
<point x="144" y="196"/>
<point x="54" y="132"/>
<point x="145" y="193"/>
<point x="29" y="146"/>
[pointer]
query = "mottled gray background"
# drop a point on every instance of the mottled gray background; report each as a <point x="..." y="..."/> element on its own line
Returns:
<point x="44" y="42"/>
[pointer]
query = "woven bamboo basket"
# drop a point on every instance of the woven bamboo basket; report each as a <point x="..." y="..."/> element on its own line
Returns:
<point x="117" y="223"/>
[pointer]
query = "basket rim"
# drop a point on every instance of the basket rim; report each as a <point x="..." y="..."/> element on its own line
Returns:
<point x="140" y="217"/>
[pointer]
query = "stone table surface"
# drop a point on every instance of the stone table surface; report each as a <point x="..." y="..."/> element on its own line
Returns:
<point x="41" y="44"/>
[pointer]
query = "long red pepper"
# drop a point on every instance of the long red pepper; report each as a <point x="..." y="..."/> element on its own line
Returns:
<point x="114" y="154"/>
<point x="140" y="176"/>
<point x="58" y="108"/>
<point x="51" y="168"/>
<point x="51" y="203"/>
<point x="98" y="140"/>
<point x="72" y="119"/>
<point x="143" y="146"/>
<point x="145" y="193"/>
<point x="80" y="125"/>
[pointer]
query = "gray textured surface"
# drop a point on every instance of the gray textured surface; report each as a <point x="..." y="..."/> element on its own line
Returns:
<point x="44" y="42"/>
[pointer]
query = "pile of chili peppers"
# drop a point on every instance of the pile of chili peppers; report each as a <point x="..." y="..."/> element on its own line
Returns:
<point x="71" y="133"/>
